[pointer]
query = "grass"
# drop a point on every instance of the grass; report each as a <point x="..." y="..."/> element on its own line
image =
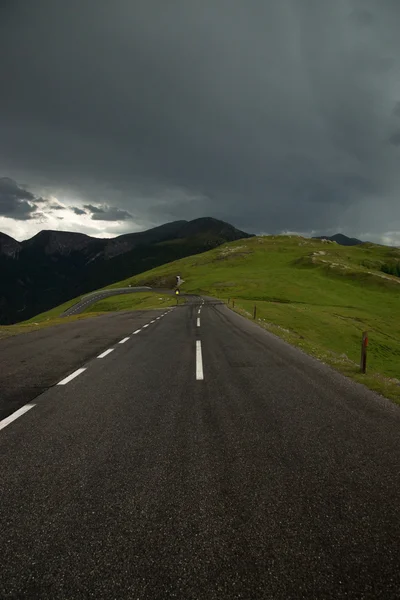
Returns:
<point x="27" y="326"/>
<point x="318" y="296"/>
<point x="52" y="313"/>
<point x="137" y="301"/>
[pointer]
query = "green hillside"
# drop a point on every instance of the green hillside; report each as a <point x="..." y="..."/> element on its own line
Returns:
<point x="317" y="295"/>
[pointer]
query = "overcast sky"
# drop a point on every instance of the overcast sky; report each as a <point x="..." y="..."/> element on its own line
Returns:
<point x="273" y="115"/>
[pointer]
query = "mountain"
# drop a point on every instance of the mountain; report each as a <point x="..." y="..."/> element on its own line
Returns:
<point x="55" y="266"/>
<point x="8" y="246"/>
<point x="341" y="239"/>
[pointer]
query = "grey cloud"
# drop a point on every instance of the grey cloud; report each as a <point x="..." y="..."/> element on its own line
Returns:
<point x="107" y="213"/>
<point x="56" y="207"/>
<point x="271" y="115"/>
<point x="15" y="201"/>
<point x="78" y="211"/>
<point x="113" y="214"/>
<point x="93" y="209"/>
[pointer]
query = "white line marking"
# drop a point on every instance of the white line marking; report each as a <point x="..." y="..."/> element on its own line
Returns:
<point x="124" y="340"/>
<point x="15" y="415"/>
<point x="103" y="354"/>
<point x="198" y="322"/>
<point x="145" y="325"/>
<point x="199" y="361"/>
<point x="158" y="318"/>
<point x="153" y="321"/>
<point x="72" y="376"/>
<point x="199" y="311"/>
<point x="137" y="331"/>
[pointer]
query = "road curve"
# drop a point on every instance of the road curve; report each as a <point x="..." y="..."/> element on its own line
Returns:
<point x="94" y="297"/>
<point x="200" y="457"/>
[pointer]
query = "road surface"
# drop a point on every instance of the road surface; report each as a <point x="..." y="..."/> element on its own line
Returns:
<point x="33" y="362"/>
<point x="200" y="457"/>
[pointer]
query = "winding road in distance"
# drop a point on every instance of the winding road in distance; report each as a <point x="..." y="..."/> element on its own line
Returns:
<point x="94" y="297"/>
<point x="194" y="456"/>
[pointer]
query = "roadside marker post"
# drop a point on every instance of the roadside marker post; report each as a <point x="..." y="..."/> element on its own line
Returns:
<point x="233" y="304"/>
<point x="177" y="296"/>
<point x="364" y="346"/>
<point x="255" y="312"/>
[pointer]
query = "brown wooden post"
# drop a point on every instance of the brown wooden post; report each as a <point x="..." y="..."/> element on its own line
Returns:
<point x="255" y="312"/>
<point x="364" y="346"/>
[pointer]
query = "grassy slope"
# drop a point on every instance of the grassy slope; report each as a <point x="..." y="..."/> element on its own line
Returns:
<point x="137" y="301"/>
<point x="320" y="302"/>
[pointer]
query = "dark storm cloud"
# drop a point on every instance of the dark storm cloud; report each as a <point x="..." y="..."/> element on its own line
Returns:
<point x="15" y="201"/>
<point x="362" y="16"/>
<point x="396" y="110"/>
<point x="107" y="213"/>
<point x="269" y="114"/>
<point x="395" y="139"/>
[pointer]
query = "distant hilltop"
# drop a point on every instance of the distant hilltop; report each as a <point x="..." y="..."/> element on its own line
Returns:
<point x="339" y="238"/>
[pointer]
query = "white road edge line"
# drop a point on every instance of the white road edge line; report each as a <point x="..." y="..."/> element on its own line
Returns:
<point x="103" y="354"/>
<point x="147" y="324"/>
<point x="124" y="340"/>
<point x="199" y="362"/>
<point x="198" y="321"/>
<point x="72" y="376"/>
<point x="153" y="321"/>
<point x="15" y="415"/>
<point x="137" y="331"/>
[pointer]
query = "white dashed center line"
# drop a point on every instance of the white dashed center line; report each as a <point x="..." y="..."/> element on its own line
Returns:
<point x="144" y="326"/>
<point x="199" y="362"/>
<point x="137" y="331"/>
<point x="103" y="354"/>
<point x="72" y="376"/>
<point x="15" y="415"/>
<point x="198" y="322"/>
<point x="124" y="340"/>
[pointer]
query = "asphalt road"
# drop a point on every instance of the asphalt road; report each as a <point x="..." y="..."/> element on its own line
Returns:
<point x="94" y="297"/>
<point x="33" y="362"/>
<point x="199" y="460"/>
